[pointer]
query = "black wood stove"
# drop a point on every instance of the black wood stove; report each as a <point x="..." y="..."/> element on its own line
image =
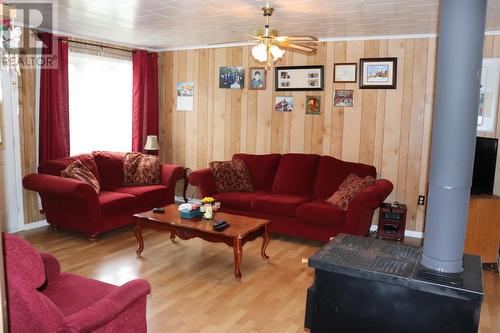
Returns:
<point x="371" y="285"/>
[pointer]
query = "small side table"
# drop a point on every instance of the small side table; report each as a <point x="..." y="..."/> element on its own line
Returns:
<point x="392" y="222"/>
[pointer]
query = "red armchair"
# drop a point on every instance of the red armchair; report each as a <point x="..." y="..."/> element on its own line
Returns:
<point x="42" y="299"/>
<point x="75" y="205"/>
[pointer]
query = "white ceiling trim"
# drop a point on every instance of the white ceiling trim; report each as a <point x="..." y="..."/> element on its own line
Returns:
<point x="328" y="39"/>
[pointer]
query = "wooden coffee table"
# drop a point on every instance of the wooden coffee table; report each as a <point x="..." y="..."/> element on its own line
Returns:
<point x="241" y="230"/>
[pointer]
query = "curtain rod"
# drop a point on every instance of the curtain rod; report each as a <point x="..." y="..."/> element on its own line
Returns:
<point x="97" y="45"/>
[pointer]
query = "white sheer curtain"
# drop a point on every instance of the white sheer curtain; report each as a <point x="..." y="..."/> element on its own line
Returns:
<point x="100" y="103"/>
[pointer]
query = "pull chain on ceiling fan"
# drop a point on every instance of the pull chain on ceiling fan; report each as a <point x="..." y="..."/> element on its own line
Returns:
<point x="270" y="44"/>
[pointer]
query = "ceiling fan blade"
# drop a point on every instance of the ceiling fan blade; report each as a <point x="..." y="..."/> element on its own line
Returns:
<point x="302" y="48"/>
<point x="296" y="39"/>
<point x="224" y="43"/>
<point x="246" y="35"/>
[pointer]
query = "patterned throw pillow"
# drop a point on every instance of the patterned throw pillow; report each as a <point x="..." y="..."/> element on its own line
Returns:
<point x="231" y="176"/>
<point x="141" y="169"/>
<point x="349" y="188"/>
<point x="77" y="170"/>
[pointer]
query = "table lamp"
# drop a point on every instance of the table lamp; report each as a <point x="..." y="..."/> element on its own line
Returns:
<point x="152" y="143"/>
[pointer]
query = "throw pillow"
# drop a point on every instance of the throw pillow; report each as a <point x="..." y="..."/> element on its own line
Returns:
<point x="231" y="176"/>
<point x="77" y="170"/>
<point x="349" y="188"/>
<point x="141" y="169"/>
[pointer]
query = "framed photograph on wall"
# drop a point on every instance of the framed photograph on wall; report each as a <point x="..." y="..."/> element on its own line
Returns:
<point x="345" y="73"/>
<point x="231" y="77"/>
<point x="378" y="73"/>
<point x="257" y="78"/>
<point x="296" y="78"/>
<point x="283" y="103"/>
<point x="343" y="98"/>
<point x="313" y="105"/>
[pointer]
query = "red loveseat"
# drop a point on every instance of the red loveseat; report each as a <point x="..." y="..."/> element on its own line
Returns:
<point x="75" y="205"/>
<point x="41" y="299"/>
<point x="291" y="189"/>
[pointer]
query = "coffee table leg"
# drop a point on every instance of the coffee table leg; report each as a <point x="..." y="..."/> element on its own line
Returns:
<point x="238" y="253"/>
<point x="172" y="236"/>
<point x="265" y="242"/>
<point x="138" y="236"/>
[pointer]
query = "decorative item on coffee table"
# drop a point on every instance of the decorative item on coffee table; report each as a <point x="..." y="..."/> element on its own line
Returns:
<point x="189" y="211"/>
<point x="208" y="212"/>
<point x="392" y="221"/>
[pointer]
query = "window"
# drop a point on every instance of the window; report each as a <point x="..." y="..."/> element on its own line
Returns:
<point x="488" y="96"/>
<point x="100" y="103"/>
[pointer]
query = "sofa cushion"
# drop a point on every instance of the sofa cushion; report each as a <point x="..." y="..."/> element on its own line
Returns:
<point x="238" y="200"/>
<point x="110" y="167"/>
<point x="278" y="204"/>
<point x="262" y="169"/>
<point x="351" y="186"/>
<point x="115" y="202"/>
<point x="296" y="174"/>
<point x="231" y="176"/>
<point x="332" y="172"/>
<point x="321" y="212"/>
<point x="55" y="167"/>
<point x="147" y="194"/>
<point x="77" y="170"/>
<point x="85" y="290"/>
<point x="141" y="169"/>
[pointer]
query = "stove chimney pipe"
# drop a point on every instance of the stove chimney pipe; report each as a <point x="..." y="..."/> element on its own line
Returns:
<point x="460" y="55"/>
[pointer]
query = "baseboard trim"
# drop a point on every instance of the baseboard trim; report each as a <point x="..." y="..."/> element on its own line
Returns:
<point x="408" y="233"/>
<point x="34" y="225"/>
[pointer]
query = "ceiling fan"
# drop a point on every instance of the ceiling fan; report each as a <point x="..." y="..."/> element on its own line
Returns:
<point x="270" y="43"/>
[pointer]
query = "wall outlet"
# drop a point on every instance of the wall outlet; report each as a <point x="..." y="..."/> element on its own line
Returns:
<point x="421" y="200"/>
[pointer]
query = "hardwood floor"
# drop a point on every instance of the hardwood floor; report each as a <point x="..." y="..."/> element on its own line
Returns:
<point x="193" y="287"/>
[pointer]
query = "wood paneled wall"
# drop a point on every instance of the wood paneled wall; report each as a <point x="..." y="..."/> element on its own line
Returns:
<point x="387" y="128"/>
<point x="27" y="133"/>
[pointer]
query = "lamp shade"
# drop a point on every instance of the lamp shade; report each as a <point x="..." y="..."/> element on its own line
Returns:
<point x="259" y="52"/>
<point x="152" y="143"/>
<point x="276" y="52"/>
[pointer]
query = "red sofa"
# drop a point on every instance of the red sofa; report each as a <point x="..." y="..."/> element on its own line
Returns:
<point x="75" y="205"/>
<point x="291" y="189"/>
<point x="41" y="299"/>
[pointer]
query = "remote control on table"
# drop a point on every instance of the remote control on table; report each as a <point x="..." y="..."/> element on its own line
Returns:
<point x="221" y="226"/>
<point x="159" y="210"/>
<point x="217" y="223"/>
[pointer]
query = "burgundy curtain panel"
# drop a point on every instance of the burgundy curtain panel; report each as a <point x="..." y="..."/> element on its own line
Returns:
<point x="145" y="98"/>
<point x="54" y="101"/>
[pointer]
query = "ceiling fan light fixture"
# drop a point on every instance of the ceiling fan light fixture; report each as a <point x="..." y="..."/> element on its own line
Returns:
<point x="276" y="52"/>
<point x="259" y="52"/>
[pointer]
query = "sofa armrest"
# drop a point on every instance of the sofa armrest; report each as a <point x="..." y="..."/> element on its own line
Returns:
<point x="59" y="186"/>
<point x="204" y="180"/>
<point x="169" y="175"/>
<point x="105" y="310"/>
<point x="51" y="265"/>
<point x="359" y="215"/>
